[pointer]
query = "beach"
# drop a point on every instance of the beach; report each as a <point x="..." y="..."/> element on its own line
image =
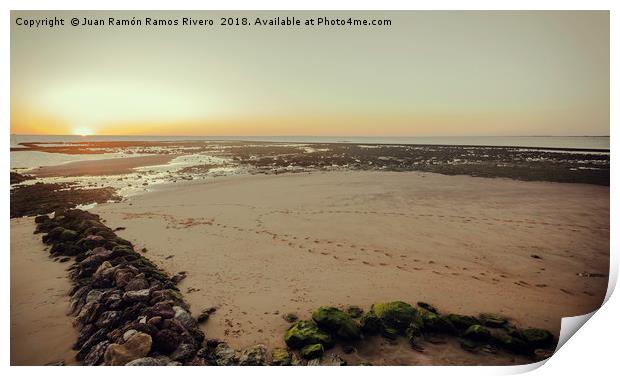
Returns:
<point x="258" y="247"/>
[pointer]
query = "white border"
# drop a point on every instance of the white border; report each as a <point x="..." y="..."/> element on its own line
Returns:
<point x="593" y="348"/>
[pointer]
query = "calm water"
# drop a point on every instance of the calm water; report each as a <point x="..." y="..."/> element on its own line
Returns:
<point x="560" y="142"/>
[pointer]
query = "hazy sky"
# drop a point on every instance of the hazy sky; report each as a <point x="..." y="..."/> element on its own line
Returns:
<point x="430" y="73"/>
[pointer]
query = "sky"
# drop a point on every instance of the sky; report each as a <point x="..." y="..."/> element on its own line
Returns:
<point x="428" y="74"/>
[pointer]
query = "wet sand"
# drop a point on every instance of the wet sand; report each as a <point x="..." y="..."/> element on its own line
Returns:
<point x="113" y="166"/>
<point x="257" y="247"/>
<point x="41" y="333"/>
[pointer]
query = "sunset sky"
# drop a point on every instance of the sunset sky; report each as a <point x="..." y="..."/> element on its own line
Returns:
<point x="429" y="74"/>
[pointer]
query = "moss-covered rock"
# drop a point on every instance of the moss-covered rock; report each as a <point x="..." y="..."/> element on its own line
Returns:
<point x="511" y="343"/>
<point x="355" y="311"/>
<point x="303" y="333"/>
<point x="398" y="315"/>
<point x="492" y="320"/>
<point x="537" y="338"/>
<point x="477" y="333"/>
<point x="462" y="322"/>
<point x="337" y="322"/>
<point x="280" y="357"/>
<point x="389" y="332"/>
<point x="469" y="345"/>
<point x="427" y="307"/>
<point x="312" y="351"/>
<point x="436" y="323"/>
<point x="370" y="323"/>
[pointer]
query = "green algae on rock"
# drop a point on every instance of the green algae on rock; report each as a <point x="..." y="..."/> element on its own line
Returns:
<point x="312" y="351"/>
<point x="337" y="322"/>
<point x="303" y="333"/>
<point x="398" y="315"/>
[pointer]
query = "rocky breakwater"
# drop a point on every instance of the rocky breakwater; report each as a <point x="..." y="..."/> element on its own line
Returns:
<point x="422" y="324"/>
<point x="128" y="311"/>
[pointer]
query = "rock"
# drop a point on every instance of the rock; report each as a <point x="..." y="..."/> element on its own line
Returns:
<point x="67" y="235"/>
<point x="162" y="309"/>
<point x="184" y="317"/>
<point x="95" y="355"/>
<point x="146" y="362"/>
<point x="477" y="333"/>
<point x="469" y="345"/>
<point x="332" y="360"/>
<point x="87" y="314"/>
<point x="492" y="320"/>
<point x="428" y="307"/>
<point x="93" y="296"/>
<point x="224" y="355"/>
<point x="137" y="346"/>
<point x="65" y="259"/>
<point x="312" y="351"/>
<point x="337" y="322"/>
<point x="397" y="315"/>
<point x="184" y="352"/>
<point x="253" y="356"/>
<point x="433" y="322"/>
<point x="314" y="362"/>
<point x="122" y="277"/>
<point x="166" y="341"/>
<point x="108" y="319"/>
<point x="280" y="357"/>
<point x="370" y="323"/>
<point x="537" y="338"/>
<point x="355" y="311"/>
<point x="41" y="219"/>
<point x="389" y="332"/>
<point x="290" y="317"/>
<point x="303" y="333"/>
<point x="542" y="354"/>
<point x="137" y="284"/>
<point x="178" y="277"/>
<point x="128" y="334"/>
<point x="462" y="322"/>
<point x="511" y="343"/>
<point x="348" y="349"/>
<point x="137" y="296"/>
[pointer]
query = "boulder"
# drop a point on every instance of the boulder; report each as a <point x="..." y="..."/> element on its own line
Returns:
<point x="303" y="333"/>
<point x="462" y="322"/>
<point x="184" y="352"/>
<point x="492" y="320"/>
<point x="67" y="235"/>
<point x="280" y="357"/>
<point x="108" y="319"/>
<point x="337" y="322"/>
<point x="433" y="322"/>
<point x="137" y="296"/>
<point x="95" y="355"/>
<point x="428" y="307"/>
<point x="398" y="315"/>
<point x="370" y="323"/>
<point x="137" y="284"/>
<point x="253" y="356"/>
<point x="355" y="311"/>
<point x="537" y="338"/>
<point x="166" y="341"/>
<point x="332" y="360"/>
<point x="147" y="361"/>
<point x="224" y="355"/>
<point x="312" y="351"/>
<point x="136" y="347"/>
<point x="477" y="333"/>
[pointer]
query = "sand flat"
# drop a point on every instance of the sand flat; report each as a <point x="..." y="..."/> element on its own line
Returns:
<point x="112" y="166"/>
<point x="41" y="332"/>
<point x="257" y="247"/>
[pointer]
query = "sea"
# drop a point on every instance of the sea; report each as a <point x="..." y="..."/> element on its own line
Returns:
<point x="556" y="142"/>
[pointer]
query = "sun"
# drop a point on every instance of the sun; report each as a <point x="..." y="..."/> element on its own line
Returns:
<point x="82" y="131"/>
